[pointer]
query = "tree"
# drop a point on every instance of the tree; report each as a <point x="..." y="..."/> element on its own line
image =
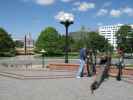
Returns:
<point x="130" y="42"/>
<point x="124" y="38"/>
<point x="79" y="38"/>
<point x="70" y="43"/>
<point x="7" y="46"/>
<point x="19" y="44"/>
<point x="49" y="40"/>
<point x="97" y="42"/>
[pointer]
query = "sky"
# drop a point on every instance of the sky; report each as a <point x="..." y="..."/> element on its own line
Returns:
<point x="19" y="17"/>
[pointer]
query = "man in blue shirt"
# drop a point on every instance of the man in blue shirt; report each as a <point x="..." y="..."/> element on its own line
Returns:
<point x="82" y="62"/>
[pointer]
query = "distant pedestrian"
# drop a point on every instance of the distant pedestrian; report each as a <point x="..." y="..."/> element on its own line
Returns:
<point x="82" y="62"/>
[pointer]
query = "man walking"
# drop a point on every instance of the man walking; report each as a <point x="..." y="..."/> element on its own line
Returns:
<point x="82" y="62"/>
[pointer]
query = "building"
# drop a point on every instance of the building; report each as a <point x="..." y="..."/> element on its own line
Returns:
<point x="109" y="33"/>
<point x="28" y="41"/>
<point x="28" y="45"/>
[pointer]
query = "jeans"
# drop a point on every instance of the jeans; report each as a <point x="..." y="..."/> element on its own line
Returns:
<point x="81" y="68"/>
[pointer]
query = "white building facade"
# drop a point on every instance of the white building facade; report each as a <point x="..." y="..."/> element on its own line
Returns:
<point x="109" y="33"/>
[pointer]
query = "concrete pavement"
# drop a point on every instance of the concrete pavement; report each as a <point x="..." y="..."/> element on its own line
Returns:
<point x="63" y="89"/>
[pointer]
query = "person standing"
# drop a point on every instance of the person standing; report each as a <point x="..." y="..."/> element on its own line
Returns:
<point x="90" y="63"/>
<point x="82" y="62"/>
<point x="120" y="64"/>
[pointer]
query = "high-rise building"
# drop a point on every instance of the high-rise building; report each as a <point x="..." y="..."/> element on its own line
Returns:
<point x="109" y="33"/>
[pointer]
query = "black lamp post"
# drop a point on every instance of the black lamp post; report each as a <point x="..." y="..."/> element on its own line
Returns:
<point x="66" y="19"/>
<point x="66" y="24"/>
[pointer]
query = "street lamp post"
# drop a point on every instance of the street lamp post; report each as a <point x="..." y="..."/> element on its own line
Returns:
<point x="66" y="19"/>
<point x="43" y="53"/>
<point x="66" y="24"/>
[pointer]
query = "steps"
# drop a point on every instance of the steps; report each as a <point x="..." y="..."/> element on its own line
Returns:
<point x="54" y="71"/>
<point x="39" y="74"/>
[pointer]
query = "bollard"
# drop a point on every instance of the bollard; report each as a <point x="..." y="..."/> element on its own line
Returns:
<point x="90" y="65"/>
<point x="120" y="64"/>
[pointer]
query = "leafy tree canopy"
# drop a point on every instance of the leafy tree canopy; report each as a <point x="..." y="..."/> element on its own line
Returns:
<point x="7" y="46"/>
<point x="19" y="44"/>
<point x="49" y="40"/>
<point x="124" y="38"/>
<point x="97" y="42"/>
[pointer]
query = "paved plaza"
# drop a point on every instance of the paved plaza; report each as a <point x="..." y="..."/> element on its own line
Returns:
<point x="19" y="83"/>
<point x="63" y="89"/>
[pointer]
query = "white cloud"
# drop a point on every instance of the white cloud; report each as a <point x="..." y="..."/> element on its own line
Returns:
<point x="63" y="16"/>
<point x="102" y="12"/>
<point x="84" y="6"/>
<point x="44" y="2"/>
<point x="128" y="11"/>
<point x="40" y="2"/>
<point x="123" y="11"/>
<point x="66" y="0"/>
<point x="115" y="13"/>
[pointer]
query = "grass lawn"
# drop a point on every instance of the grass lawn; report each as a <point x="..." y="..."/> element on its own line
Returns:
<point x="131" y="66"/>
<point x="71" y="55"/>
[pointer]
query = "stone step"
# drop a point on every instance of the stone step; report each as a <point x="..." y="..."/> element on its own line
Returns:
<point x="55" y="75"/>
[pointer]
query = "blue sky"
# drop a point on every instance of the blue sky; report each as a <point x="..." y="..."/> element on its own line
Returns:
<point x="19" y="17"/>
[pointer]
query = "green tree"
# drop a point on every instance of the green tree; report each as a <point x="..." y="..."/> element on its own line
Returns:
<point x="19" y="44"/>
<point x="97" y="42"/>
<point x="79" y="38"/>
<point x="123" y="36"/>
<point x="49" y="40"/>
<point x="70" y="43"/>
<point x="7" y="47"/>
<point x="130" y="42"/>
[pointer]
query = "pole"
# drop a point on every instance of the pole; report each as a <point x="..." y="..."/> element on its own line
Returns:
<point x="120" y="65"/>
<point x="119" y="72"/>
<point x="43" y="61"/>
<point x="25" y="46"/>
<point x="66" y="46"/>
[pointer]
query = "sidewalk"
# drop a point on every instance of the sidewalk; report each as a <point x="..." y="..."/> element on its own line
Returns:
<point x="63" y="89"/>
